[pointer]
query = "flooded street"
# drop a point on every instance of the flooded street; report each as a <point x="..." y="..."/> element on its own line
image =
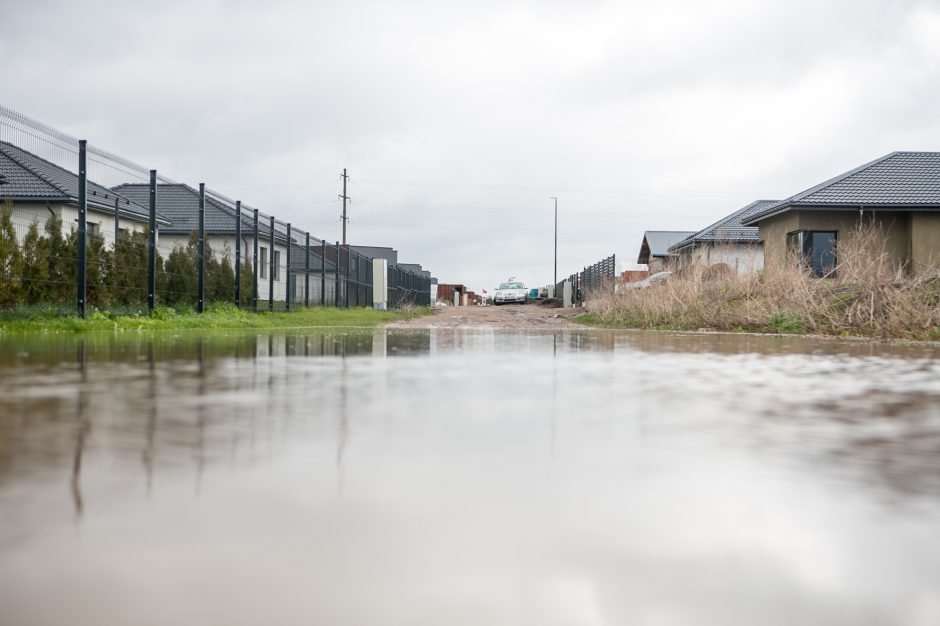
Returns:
<point x="468" y="477"/>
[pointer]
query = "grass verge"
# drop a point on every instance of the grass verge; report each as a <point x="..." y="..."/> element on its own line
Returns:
<point x="218" y="316"/>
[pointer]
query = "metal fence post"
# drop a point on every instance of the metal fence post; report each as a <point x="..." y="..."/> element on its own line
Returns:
<point x="336" y="295"/>
<point x="323" y="272"/>
<point x="117" y="221"/>
<point x="307" y="271"/>
<point x="346" y="290"/>
<point x="82" y="259"/>
<point x="152" y="245"/>
<point x="287" y="268"/>
<point x="201" y="296"/>
<point x="238" y="253"/>
<point x="272" y="270"/>
<point x="254" y="262"/>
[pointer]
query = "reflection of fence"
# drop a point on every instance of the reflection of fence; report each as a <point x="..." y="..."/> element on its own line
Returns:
<point x="81" y="226"/>
<point x="595" y="277"/>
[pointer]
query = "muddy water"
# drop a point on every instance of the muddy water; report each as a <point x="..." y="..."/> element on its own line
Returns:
<point x="450" y="477"/>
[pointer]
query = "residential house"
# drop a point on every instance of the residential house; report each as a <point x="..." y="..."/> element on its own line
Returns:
<point x="39" y="189"/>
<point x="180" y="204"/>
<point x="899" y="193"/>
<point x="726" y="242"/>
<point x="654" y="251"/>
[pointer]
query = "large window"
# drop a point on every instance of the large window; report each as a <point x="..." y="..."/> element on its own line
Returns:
<point x="815" y="248"/>
<point x="264" y="261"/>
<point x="277" y="265"/>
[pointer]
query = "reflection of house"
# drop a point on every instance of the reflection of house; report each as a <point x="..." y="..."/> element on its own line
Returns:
<point x="654" y="251"/>
<point x="39" y="189"/>
<point x="180" y="203"/>
<point x="727" y="242"/>
<point x="900" y="193"/>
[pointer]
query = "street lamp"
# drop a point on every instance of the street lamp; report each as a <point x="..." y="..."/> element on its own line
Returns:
<point x="555" y="284"/>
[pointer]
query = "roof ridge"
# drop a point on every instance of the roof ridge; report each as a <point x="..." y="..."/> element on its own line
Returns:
<point x="835" y="179"/>
<point x="31" y="170"/>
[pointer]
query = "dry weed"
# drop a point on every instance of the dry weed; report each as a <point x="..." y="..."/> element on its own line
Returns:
<point x="867" y="294"/>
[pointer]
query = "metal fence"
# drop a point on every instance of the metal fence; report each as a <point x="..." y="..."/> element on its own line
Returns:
<point x="405" y="288"/>
<point x="81" y="227"/>
<point x="593" y="278"/>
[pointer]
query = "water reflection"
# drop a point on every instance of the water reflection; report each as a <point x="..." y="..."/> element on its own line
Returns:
<point x="469" y="477"/>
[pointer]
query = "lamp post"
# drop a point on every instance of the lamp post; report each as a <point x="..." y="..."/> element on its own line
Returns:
<point x="555" y="284"/>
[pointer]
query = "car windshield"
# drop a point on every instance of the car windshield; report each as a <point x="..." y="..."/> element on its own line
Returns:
<point x="512" y="286"/>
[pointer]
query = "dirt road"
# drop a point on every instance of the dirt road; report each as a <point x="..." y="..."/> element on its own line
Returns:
<point x="507" y="316"/>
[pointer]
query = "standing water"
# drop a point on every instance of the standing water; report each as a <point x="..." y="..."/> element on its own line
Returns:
<point x="468" y="478"/>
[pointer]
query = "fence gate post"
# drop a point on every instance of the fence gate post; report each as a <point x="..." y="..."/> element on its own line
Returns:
<point x="201" y="296"/>
<point x="307" y="271"/>
<point x="254" y="262"/>
<point x="152" y="245"/>
<point x="272" y="270"/>
<point x="238" y="253"/>
<point x="287" y="268"/>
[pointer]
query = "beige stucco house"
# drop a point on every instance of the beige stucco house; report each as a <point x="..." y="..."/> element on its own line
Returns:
<point x="899" y="193"/>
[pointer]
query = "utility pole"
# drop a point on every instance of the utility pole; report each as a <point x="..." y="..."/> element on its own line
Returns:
<point x="556" y="244"/>
<point x="345" y="198"/>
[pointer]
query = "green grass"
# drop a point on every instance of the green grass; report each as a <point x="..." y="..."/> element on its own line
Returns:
<point x="218" y="316"/>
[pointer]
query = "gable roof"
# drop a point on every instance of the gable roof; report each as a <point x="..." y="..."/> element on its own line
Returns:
<point x="29" y="178"/>
<point x="729" y="229"/>
<point x="180" y="204"/>
<point x="656" y="243"/>
<point x="896" y="181"/>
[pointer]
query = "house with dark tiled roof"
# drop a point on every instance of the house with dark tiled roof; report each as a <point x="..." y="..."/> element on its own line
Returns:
<point x="38" y="189"/>
<point x="654" y="250"/>
<point x="180" y="203"/>
<point x="726" y="242"/>
<point x="899" y="193"/>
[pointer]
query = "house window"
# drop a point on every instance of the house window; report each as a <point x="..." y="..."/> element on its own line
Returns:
<point x="815" y="248"/>
<point x="264" y="262"/>
<point x="277" y="265"/>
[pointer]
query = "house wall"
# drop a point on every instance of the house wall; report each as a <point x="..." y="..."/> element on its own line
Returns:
<point x="897" y="226"/>
<point x="925" y="240"/>
<point x="743" y="258"/>
<point x="660" y="264"/>
<point x="222" y="243"/>
<point x="24" y="214"/>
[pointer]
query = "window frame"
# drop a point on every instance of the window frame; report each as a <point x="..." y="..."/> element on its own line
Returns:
<point x="799" y="243"/>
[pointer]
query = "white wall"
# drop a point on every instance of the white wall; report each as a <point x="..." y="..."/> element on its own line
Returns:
<point x="25" y="214"/>
<point x="742" y="258"/>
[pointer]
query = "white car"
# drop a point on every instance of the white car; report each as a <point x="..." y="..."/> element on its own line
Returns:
<point x="510" y="293"/>
<point x="659" y="278"/>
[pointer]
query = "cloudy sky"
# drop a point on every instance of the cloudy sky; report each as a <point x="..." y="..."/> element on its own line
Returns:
<point x="458" y="120"/>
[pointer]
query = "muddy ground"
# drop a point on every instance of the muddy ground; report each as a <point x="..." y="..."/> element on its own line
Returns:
<point x="505" y="316"/>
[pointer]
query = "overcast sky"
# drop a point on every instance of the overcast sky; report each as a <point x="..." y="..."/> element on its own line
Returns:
<point x="458" y="120"/>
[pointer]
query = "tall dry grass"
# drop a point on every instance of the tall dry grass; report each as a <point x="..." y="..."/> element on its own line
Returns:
<point x="868" y="294"/>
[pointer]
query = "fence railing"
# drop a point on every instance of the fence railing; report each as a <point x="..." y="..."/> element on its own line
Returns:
<point x="599" y="276"/>
<point x="81" y="227"/>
